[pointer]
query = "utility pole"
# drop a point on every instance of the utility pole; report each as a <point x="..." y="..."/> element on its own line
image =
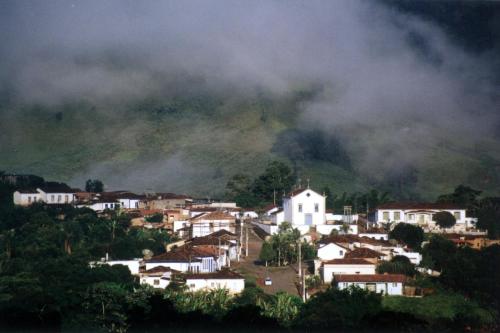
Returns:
<point x="300" y="259"/>
<point x="246" y="242"/>
<point x="241" y="239"/>
<point x="304" y="286"/>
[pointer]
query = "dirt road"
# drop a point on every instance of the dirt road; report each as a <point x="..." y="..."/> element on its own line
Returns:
<point x="283" y="278"/>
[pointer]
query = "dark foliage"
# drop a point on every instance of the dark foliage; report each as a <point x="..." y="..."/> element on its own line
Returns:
<point x="409" y="234"/>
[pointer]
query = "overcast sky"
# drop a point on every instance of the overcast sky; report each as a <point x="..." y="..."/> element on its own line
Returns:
<point x="376" y="66"/>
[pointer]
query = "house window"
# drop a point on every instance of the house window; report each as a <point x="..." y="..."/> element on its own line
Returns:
<point x="66" y="198"/>
<point x="156" y="282"/>
<point x="394" y="284"/>
<point x="29" y="199"/>
<point x="316" y="207"/>
<point x="456" y="215"/>
<point x="191" y="285"/>
<point x="52" y="198"/>
<point x="105" y="205"/>
<point x="59" y="198"/>
<point x="212" y="284"/>
<point x="341" y="252"/>
<point x="300" y="208"/>
<point x="397" y="216"/>
<point x="412" y="216"/>
<point x="386" y="216"/>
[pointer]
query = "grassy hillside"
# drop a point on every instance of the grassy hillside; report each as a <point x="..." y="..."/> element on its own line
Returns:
<point x="194" y="144"/>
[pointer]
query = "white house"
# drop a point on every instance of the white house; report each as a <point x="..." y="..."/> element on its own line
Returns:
<point x="422" y="214"/>
<point x="207" y="223"/>
<point x="278" y="217"/>
<point x="100" y="205"/>
<point x="56" y="194"/>
<point x="225" y="279"/>
<point x="386" y="284"/>
<point x="331" y="251"/>
<point x="157" y="277"/>
<point x="304" y="208"/>
<point x="346" y="266"/>
<point x="26" y="197"/>
<point x="186" y="259"/>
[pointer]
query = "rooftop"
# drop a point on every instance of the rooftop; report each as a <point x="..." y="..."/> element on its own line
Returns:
<point x="370" y="278"/>
<point x="223" y="274"/>
<point x="348" y="261"/>
<point x="362" y="252"/>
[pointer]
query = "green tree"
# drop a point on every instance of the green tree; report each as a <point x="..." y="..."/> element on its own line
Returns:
<point x="437" y="252"/>
<point x="409" y="234"/>
<point x="94" y="185"/>
<point x="397" y="265"/>
<point x="488" y="216"/>
<point x="283" y="307"/>
<point x="444" y="219"/>
<point x="266" y="253"/>
<point x="276" y="179"/>
<point x="462" y="195"/>
<point x="350" y="308"/>
<point x="105" y="302"/>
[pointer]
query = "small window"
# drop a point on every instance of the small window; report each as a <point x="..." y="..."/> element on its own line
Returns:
<point x="341" y="252"/>
<point x="191" y="285"/>
<point x="397" y="216"/>
<point x="316" y="207"/>
<point x="300" y="208"/>
<point x="412" y="216"/>
<point x="456" y="215"/>
<point x="386" y="216"/>
<point x="52" y="198"/>
<point x="66" y="198"/>
<point x="156" y="282"/>
<point x="394" y="284"/>
<point x="105" y="205"/>
<point x="59" y="198"/>
<point x="29" y="199"/>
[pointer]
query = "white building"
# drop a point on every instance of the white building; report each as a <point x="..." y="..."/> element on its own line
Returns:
<point x="208" y="223"/>
<point x="422" y="214"/>
<point x="100" y="205"/>
<point x="331" y="251"/>
<point x="225" y="279"/>
<point x="186" y="259"/>
<point x="157" y="277"/>
<point x="346" y="266"/>
<point x="26" y="197"/>
<point x="386" y="284"/>
<point x="304" y="208"/>
<point x="57" y="194"/>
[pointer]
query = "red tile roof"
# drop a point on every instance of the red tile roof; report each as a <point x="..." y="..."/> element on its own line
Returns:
<point x="363" y="252"/>
<point x="160" y="269"/>
<point x="223" y="274"/>
<point x="213" y="217"/>
<point x="370" y="278"/>
<point x="348" y="261"/>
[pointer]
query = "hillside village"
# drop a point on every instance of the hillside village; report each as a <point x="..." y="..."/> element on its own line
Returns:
<point x="220" y="245"/>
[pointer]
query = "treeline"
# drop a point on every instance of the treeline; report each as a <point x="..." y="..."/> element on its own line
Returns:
<point x="278" y="179"/>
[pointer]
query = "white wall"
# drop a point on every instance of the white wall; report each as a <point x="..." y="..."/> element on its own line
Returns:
<point x="155" y="281"/>
<point x="129" y="203"/>
<point x="331" y="251"/>
<point x="234" y="286"/>
<point x="57" y="198"/>
<point x="26" y="199"/>
<point x="414" y="257"/>
<point x="291" y="208"/>
<point x="329" y="270"/>
<point x="389" y="288"/>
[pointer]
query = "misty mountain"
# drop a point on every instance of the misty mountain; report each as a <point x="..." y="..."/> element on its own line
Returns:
<point x="396" y="95"/>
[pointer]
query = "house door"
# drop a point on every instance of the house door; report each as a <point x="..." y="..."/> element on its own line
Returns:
<point x="309" y="219"/>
